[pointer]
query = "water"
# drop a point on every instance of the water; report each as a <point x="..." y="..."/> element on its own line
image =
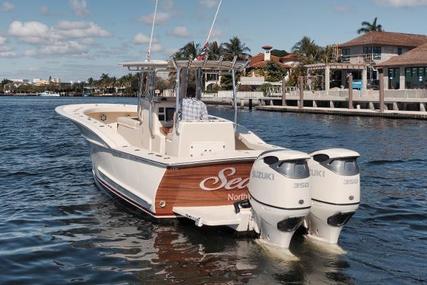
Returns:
<point x="56" y="227"/>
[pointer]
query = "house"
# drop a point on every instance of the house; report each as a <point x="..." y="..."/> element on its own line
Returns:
<point x="254" y="73"/>
<point x="261" y="59"/>
<point x="406" y="71"/>
<point x="377" y="47"/>
<point x="398" y="54"/>
<point x="374" y="48"/>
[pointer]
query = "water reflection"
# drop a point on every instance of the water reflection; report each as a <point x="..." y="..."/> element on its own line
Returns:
<point x="56" y="227"/>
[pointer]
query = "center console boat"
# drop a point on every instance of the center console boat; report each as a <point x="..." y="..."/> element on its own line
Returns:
<point x="213" y="171"/>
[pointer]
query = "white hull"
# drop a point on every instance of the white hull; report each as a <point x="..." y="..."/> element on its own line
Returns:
<point x="147" y="179"/>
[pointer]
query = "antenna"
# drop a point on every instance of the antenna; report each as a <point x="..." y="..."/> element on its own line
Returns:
<point x="213" y="23"/>
<point x="152" y="31"/>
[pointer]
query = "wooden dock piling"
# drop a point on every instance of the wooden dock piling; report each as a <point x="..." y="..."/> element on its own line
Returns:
<point x="381" y="97"/>
<point x="350" y="91"/>
<point x="301" y="92"/>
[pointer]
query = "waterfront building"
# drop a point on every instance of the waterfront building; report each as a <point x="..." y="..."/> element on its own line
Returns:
<point x="407" y="71"/>
<point x="375" y="48"/>
<point x="260" y="60"/>
<point x="366" y="55"/>
<point x="255" y="78"/>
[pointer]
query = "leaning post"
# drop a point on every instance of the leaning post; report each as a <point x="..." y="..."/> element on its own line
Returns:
<point x="350" y="91"/>
<point x="301" y="92"/>
<point x="381" y="97"/>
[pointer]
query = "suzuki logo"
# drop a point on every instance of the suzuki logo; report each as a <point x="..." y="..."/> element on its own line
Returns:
<point x="221" y="181"/>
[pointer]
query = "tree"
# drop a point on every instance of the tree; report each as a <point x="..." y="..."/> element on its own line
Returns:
<point x="279" y="52"/>
<point x="329" y="54"/>
<point x="307" y="50"/>
<point x="190" y="51"/>
<point x="214" y="50"/>
<point x="274" y="72"/>
<point x="370" y="27"/>
<point x="235" y="47"/>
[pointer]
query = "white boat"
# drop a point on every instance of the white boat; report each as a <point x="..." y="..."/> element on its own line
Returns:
<point x="49" y="94"/>
<point x="212" y="170"/>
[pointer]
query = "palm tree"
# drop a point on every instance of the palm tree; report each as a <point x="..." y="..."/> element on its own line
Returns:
<point x="235" y="47"/>
<point x="307" y="50"/>
<point x="214" y="50"/>
<point x="190" y="51"/>
<point x="328" y="54"/>
<point x="370" y="27"/>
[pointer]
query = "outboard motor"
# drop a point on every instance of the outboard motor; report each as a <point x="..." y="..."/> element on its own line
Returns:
<point x="279" y="189"/>
<point x="335" y="192"/>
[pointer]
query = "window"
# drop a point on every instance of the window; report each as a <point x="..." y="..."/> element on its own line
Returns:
<point x="345" y="54"/>
<point x="416" y="77"/>
<point x="367" y="50"/>
<point x="376" y="52"/>
<point x="399" y="51"/>
<point x="394" y="78"/>
<point x="372" y="52"/>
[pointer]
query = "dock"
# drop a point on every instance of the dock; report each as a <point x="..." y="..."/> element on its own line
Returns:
<point x="398" y="104"/>
<point x="348" y="112"/>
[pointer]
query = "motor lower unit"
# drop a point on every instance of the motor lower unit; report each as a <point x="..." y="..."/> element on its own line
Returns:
<point x="279" y="190"/>
<point x="335" y="192"/>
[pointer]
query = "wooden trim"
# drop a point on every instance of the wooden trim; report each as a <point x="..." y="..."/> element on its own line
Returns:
<point x="181" y="187"/>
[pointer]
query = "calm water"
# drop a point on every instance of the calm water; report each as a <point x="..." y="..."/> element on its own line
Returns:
<point x="56" y="227"/>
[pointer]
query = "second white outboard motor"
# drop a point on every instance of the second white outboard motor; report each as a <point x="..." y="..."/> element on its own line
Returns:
<point x="335" y="192"/>
<point x="279" y="189"/>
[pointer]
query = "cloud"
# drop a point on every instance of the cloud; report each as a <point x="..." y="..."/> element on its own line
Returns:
<point x="6" y="6"/>
<point x="5" y="51"/>
<point x="30" y="32"/>
<point x="66" y="37"/>
<point x="180" y="31"/>
<point x="402" y="3"/>
<point x="79" y="7"/>
<point x="80" y="29"/>
<point x="58" y="48"/>
<point x="142" y="39"/>
<point x="156" y="47"/>
<point x="7" y="54"/>
<point x="37" y="32"/>
<point x="161" y="18"/>
<point x="209" y="3"/>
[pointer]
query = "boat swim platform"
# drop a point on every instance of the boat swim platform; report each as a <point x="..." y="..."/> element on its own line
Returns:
<point x="418" y="115"/>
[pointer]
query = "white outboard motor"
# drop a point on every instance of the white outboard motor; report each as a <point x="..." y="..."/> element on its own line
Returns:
<point x="279" y="189"/>
<point x="335" y="192"/>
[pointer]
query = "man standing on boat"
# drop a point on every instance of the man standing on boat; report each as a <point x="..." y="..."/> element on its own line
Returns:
<point x="193" y="109"/>
<point x="192" y="106"/>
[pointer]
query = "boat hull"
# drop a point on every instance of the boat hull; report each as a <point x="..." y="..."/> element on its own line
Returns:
<point x="157" y="189"/>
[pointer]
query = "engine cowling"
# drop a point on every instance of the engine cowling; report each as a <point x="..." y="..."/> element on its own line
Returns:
<point x="279" y="189"/>
<point x="335" y="192"/>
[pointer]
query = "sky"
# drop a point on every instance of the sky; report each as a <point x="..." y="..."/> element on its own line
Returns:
<point x="78" y="39"/>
